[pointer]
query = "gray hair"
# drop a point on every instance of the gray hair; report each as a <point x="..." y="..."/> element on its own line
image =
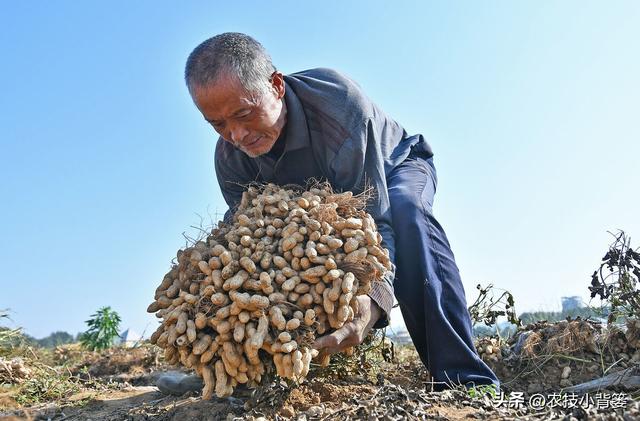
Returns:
<point x="233" y="53"/>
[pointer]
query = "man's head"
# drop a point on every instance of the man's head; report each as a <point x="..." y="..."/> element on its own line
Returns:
<point x="238" y="91"/>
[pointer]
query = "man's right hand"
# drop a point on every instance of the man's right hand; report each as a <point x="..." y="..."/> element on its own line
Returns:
<point x="353" y="332"/>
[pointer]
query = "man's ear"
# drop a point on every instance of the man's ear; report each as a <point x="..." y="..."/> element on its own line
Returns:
<point x="277" y="83"/>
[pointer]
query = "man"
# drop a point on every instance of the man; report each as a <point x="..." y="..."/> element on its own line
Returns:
<point x="318" y="123"/>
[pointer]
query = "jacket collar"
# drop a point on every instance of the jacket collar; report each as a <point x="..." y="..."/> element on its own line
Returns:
<point x="296" y="130"/>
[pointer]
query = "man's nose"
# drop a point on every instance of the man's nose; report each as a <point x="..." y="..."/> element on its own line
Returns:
<point x="238" y="133"/>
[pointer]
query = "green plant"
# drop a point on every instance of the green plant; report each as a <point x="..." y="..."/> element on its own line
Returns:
<point x="103" y="329"/>
<point x="487" y="308"/>
<point x="616" y="280"/>
<point x="482" y="390"/>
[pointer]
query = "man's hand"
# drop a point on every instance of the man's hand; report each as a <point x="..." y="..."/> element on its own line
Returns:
<point x="353" y="332"/>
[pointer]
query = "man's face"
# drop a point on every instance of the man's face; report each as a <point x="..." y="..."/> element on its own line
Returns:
<point x="252" y="122"/>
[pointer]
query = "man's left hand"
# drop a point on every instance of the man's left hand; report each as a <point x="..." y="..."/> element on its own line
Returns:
<point x="353" y="332"/>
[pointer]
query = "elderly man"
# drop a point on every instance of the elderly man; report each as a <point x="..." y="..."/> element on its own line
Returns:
<point x="319" y="124"/>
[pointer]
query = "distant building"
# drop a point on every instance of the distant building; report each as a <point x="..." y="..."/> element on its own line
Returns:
<point x="129" y="339"/>
<point x="571" y="303"/>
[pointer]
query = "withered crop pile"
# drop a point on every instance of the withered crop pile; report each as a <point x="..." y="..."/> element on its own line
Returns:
<point x="257" y="291"/>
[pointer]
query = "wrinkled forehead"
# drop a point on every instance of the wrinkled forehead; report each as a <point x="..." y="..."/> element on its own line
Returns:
<point x="223" y="84"/>
<point x="222" y="97"/>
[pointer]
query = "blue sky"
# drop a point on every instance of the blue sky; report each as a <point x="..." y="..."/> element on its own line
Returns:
<point x="531" y="108"/>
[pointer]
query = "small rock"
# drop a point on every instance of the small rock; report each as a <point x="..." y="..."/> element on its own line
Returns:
<point x="315" y="411"/>
<point x="446" y="394"/>
<point x="565" y="372"/>
<point x="287" y="411"/>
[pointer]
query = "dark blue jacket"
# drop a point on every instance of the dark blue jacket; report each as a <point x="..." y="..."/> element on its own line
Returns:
<point x="334" y="132"/>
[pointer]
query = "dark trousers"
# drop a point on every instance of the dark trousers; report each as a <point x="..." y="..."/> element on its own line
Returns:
<point x="427" y="285"/>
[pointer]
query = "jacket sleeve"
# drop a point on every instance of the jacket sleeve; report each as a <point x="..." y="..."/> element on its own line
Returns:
<point x="359" y="162"/>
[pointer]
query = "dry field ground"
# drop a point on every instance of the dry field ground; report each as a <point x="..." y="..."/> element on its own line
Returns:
<point x="543" y="368"/>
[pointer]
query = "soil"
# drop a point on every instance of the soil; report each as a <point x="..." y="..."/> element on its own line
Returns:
<point x="543" y="358"/>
